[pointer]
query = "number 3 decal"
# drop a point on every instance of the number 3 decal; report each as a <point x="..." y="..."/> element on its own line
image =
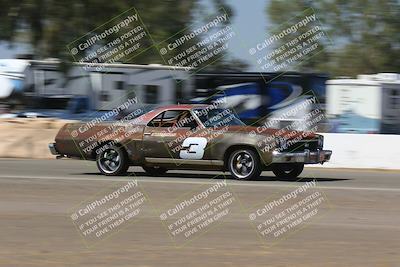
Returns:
<point x="193" y="148"/>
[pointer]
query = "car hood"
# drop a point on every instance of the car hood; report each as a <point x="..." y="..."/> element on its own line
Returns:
<point x="253" y="131"/>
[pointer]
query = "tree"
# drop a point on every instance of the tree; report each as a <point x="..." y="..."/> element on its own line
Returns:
<point x="364" y="33"/>
<point x="51" y="25"/>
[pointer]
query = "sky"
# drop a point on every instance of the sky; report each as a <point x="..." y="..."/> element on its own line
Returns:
<point x="249" y="23"/>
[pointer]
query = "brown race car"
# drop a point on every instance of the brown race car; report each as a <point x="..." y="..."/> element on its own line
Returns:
<point x="192" y="137"/>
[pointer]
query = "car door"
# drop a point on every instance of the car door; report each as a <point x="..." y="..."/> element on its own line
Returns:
<point x="154" y="138"/>
<point x="174" y="135"/>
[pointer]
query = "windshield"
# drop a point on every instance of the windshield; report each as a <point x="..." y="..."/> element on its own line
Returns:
<point x="217" y="117"/>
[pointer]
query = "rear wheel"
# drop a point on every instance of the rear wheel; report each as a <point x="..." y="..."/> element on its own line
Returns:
<point x="288" y="171"/>
<point x="244" y="164"/>
<point x="112" y="160"/>
<point x="154" y="171"/>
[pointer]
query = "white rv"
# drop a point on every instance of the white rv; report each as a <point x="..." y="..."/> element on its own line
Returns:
<point x="368" y="104"/>
<point x="107" y="85"/>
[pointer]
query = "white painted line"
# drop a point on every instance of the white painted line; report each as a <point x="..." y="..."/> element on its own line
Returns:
<point x="190" y="181"/>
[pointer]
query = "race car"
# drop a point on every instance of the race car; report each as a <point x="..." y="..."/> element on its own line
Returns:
<point x="190" y="137"/>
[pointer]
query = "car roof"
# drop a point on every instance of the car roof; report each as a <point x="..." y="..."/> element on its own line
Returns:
<point x="183" y="106"/>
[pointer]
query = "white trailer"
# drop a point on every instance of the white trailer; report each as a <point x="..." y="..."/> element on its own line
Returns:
<point x="368" y="104"/>
<point x="107" y="85"/>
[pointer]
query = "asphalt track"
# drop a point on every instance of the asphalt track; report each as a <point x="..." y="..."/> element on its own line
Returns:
<point x="357" y="225"/>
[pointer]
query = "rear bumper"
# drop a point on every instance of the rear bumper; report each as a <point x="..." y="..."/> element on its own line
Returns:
<point x="53" y="150"/>
<point x="306" y="157"/>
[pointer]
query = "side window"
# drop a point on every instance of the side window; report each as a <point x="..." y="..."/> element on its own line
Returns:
<point x="171" y="114"/>
<point x="186" y="120"/>
<point x="151" y="94"/>
<point x="156" y="122"/>
<point x="165" y="119"/>
<point x="174" y="118"/>
<point x="119" y="85"/>
<point x="131" y="91"/>
<point x="394" y="99"/>
<point x="104" y="96"/>
<point x="179" y="91"/>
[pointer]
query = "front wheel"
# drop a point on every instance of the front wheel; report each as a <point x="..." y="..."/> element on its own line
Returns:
<point x="112" y="161"/>
<point x="244" y="164"/>
<point x="288" y="171"/>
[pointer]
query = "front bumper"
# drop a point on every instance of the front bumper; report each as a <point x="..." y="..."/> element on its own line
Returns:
<point x="53" y="150"/>
<point x="306" y="157"/>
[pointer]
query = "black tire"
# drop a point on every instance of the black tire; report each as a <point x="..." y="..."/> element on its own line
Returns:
<point x="154" y="171"/>
<point x="112" y="160"/>
<point x="288" y="171"/>
<point x="244" y="164"/>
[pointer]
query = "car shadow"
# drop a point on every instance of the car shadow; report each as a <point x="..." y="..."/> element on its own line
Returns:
<point x="168" y="174"/>
<point x="222" y="176"/>
<point x="300" y="179"/>
<point x="185" y="175"/>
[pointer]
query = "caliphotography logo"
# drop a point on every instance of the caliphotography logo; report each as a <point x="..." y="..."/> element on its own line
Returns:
<point x="199" y="133"/>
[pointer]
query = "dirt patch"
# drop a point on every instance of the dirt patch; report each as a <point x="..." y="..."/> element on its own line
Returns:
<point x="28" y="138"/>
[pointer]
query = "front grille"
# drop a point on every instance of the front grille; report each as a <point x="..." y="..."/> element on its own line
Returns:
<point x="300" y="146"/>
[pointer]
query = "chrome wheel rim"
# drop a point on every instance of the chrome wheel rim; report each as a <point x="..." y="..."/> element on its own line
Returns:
<point x="110" y="160"/>
<point x="242" y="164"/>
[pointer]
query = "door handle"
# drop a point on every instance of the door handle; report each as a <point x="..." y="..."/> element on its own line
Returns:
<point x="147" y="133"/>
